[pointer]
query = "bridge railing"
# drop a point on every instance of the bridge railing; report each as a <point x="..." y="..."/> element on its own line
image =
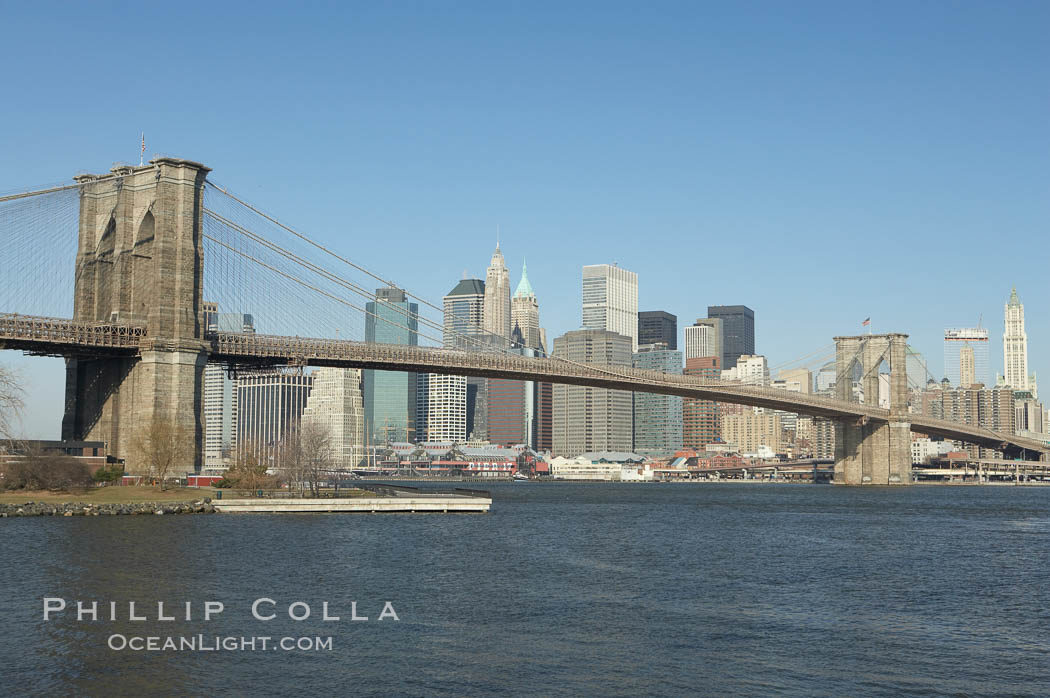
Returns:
<point x="31" y="328"/>
<point x="302" y="350"/>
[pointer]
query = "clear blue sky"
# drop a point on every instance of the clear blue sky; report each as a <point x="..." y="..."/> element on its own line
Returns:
<point x="819" y="162"/>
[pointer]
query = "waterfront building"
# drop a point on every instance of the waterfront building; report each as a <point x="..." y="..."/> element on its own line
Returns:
<point x="496" y="313"/>
<point x="591" y="419"/>
<point x="738" y="331"/>
<point x="1015" y="345"/>
<point x="991" y="408"/>
<point x="1028" y="415"/>
<point x="752" y="429"/>
<point x="704" y="338"/>
<point x="525" y="314"/>
<point x="447" y="408"/>
<point x="658" y="326"/>
<point x="390" y="396"/>
<point x="657" y="418"/>
<point x="966" y="356"/>
<point x="815" y="437"/>
<point x="610" y="300"/>
<point x="923" y="449"/>
<point x="605" y="465"/>
<point x="269" y="405"/>
<point x="336" y="407"/>
<point x="700" y="417"/>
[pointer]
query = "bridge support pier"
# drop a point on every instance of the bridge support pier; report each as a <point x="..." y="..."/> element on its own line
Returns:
<point x="139" y="261"/>
<point x="873" y="452"/>
<point x="876" y="453"/>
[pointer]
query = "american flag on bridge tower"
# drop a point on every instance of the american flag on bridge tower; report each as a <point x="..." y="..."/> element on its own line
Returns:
<point x="867" y="321"/>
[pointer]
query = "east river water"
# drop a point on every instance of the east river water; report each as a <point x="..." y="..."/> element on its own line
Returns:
<point x="563" y="589"/>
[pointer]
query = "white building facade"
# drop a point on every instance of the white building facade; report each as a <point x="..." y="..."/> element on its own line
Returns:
<point x="336" y="405"/>
<point x="496" y="312"/>
<point x="1015" y="345"/>
<point x="704" y="339"/>
<point x="525" y="314"/>
<point x="610" y="300"/>
<point x="750" y="370"/>
<point x="447" y="408"/>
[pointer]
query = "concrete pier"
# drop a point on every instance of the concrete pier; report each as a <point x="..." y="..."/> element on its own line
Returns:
<point x="441" y="504"/>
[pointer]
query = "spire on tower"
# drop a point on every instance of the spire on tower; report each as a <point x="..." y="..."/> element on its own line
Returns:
<point x="524" y="287"/>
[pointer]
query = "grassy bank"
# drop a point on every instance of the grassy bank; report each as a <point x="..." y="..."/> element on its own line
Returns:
<point x="110" y="495"/>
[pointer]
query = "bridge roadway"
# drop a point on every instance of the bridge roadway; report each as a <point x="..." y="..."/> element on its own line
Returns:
<point x="62" y="337"/>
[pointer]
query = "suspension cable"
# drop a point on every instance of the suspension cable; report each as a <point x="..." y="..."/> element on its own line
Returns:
<point x="324" y="273"/>
<point x="53" y="190"/>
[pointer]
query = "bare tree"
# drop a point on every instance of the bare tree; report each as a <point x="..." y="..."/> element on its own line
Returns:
<point x="11" y="402"/>
<point x="249" y="468"/>
<point x="316" y="443"/>
<point x="163" y="445"/>
<point x="305" y="455"/>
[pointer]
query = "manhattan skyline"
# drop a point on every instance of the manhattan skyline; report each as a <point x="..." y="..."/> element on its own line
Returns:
<point x="847" y="169"/>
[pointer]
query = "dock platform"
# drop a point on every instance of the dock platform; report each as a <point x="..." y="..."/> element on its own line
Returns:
<point x="402" y="502"/>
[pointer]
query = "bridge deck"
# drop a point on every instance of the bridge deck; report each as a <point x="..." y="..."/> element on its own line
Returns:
<point x="62" y="337"/>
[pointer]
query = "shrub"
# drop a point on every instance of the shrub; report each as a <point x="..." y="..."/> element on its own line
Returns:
<point x="37" y="472"/>
<point x="108" y="474"/>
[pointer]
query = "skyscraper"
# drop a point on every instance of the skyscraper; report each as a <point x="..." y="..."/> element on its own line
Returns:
<point x="456" y="406"/>
<point x="738" y="331"/>
<point x="657" y="418"/>
<point x="269" y="404"/>
<point x="390" y="396"/>
<point x="525" y="313"/>
<point x="220" y="415"/>
<point x="704" y="338"/>
<point x="336" y="406"/>
<point x="514" y="409"/>
<point x="1015" y="345"/>
<point x="447" y="408"/>
<point x="496" y="311"/>
<point x="464" y="312"/>
<point x="508" y="419"/>
<point x="656" y="326"/>
<point x="220" y="391"/>
<point x="966" y="356"/>
<point x="610" y="301"/>
<point x="592" y="419"/>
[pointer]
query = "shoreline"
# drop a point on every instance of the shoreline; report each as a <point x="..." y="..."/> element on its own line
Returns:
<point x="30" y="508"/>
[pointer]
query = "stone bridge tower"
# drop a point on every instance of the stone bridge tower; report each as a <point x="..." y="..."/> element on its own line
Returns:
<point x="139" y="261"/>
<point x="870" y="452"/>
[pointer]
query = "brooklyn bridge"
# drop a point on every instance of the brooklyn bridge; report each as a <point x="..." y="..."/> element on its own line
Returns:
<point x="112" y="271"/>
